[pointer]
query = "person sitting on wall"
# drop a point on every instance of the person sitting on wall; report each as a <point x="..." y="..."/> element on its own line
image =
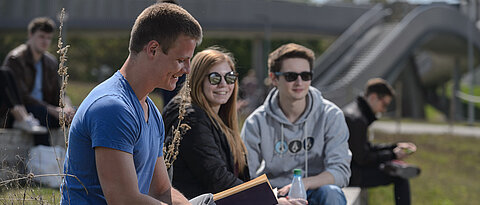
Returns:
<point x="377" y="164"/>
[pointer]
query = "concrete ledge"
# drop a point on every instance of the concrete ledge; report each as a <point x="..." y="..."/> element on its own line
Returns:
<point x="355" y="195"/>
<point x="14" y="147"/>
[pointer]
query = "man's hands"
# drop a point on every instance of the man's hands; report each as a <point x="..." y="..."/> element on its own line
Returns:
<point x="404" y="149"/>
<point x="284" y="190"/>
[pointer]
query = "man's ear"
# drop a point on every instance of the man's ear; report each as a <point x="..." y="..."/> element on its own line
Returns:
<point x="152" y="48"/>
<point x="273" y="78"/>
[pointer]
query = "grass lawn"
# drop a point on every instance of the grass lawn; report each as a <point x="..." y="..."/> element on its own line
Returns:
<point x="29" y="195"/>
<point x="450" y="171"/>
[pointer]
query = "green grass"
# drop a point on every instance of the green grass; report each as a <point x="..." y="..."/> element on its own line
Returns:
<point x="450" y="171"/>
<point x="77" y="91"/>
<point x="29" y="195"/>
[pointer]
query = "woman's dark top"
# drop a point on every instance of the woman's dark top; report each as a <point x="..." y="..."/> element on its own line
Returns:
<point x="205" y="163"/>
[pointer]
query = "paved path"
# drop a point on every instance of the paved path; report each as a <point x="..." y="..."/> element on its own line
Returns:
<point x="424" y="128"/>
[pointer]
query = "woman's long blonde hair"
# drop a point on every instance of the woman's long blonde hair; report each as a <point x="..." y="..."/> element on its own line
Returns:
<point x="226" y="118"/>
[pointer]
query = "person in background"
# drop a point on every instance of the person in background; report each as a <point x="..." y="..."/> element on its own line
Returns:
<point x="211" y="154"/>
<point x="11" y="105"/>
<point x="168" y="95"/>
<point x="35" y="73"/>
<point x="374" y="164"/>
<point x="116" y="137"/>
<point x="250" y="93"/>
<point x="297" y="128"/>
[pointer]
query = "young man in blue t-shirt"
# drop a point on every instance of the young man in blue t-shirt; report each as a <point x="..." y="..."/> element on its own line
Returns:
<point x="116" y="137"/>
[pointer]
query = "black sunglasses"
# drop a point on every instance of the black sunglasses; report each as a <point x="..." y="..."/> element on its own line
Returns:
<point x="292" y="76"/>
<point x="215" y="78"/>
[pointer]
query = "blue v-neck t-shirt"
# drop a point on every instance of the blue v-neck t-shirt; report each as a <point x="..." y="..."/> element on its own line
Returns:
<point x="110" y="116"/>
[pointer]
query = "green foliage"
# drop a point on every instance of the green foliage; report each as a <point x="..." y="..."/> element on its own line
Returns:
<point x="10" y="41"/>
<point x="433" y="115"/>
<point x="317" y="45"/>
<point x="77" y="91"/>
<point x="87" y="52"/>
<point x="449" y="166"/>
<point x="240" y="48"/>
<point x="91" y="50"/>
<point x="465" y="88"/>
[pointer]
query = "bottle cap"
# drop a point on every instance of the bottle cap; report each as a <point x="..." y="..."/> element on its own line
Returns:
<point x="297" y="172"/>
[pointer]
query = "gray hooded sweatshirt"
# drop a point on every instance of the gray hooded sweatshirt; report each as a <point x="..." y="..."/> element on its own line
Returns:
<point x="316" y="142"/>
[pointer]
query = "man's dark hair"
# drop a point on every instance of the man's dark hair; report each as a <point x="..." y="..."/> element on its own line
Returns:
<point x="380" y="87"/>
<point x="163" y="22"/>
<point x="286" y="51"/>
<point x="44" y="24"/>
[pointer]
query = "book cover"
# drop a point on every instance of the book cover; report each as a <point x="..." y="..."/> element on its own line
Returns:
<point x="256" y="191"/>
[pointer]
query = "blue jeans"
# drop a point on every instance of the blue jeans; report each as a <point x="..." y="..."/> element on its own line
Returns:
<point x="327" y="194"/>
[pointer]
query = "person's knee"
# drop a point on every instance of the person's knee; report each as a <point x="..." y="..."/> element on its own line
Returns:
<point x="327" y="194"/>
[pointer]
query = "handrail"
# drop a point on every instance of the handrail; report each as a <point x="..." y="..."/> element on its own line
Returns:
<point x="467" y="97"/>
<point x="348" y="38"/>
<point x="395" y="46"/>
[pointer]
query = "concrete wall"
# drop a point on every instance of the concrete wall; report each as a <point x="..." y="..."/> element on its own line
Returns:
<point x="14" y="147"/>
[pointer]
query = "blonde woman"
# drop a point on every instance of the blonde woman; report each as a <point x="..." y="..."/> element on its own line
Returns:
<point x="212" y="156"/>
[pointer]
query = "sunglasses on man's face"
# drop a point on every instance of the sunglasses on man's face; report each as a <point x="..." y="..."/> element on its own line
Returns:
<point x="215" y="78"/>
<point x="292" y="76"/>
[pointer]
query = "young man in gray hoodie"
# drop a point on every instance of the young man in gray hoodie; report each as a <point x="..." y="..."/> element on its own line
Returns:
<point x="297" y="128"/>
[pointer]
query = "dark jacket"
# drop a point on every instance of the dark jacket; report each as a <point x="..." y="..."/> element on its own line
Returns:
<point x="204" y="163"/>
<point x="359" y="116"/>
<point x="20" y="61"/>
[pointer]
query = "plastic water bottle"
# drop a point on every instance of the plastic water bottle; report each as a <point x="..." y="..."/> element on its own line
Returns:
<point x="297" y="190"/>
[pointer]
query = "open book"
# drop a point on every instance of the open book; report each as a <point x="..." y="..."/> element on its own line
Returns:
<point x="255" y="191"/>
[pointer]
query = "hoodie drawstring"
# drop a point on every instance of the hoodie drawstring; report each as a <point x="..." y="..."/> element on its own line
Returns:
<point x="305" y="146"/>
<point x="283" y="139"/>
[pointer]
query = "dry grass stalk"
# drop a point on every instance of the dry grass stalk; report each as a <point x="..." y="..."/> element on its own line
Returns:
<point x="27" y="194"/>
<point x="62" y="71"/>
<point x="30" y="176"/>
<point x="170" y="155"/>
